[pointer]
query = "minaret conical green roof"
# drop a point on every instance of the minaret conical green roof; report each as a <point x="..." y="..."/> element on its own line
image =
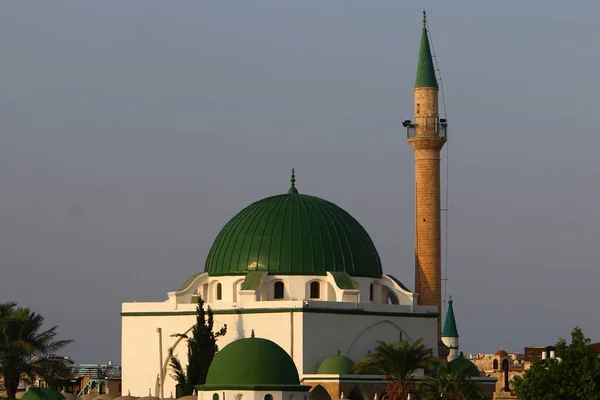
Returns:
<point x="425" y="70"/>
<point x="450" y="323"/>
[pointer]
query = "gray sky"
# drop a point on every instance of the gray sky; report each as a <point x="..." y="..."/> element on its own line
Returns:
<point x="130" y="132"/>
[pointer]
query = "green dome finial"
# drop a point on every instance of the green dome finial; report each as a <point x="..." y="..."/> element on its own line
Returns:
<point x="293" y="189"/>
<point x="425" y="69"/>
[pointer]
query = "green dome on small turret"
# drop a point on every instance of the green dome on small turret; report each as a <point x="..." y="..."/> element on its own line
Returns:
<point x="462" y="364"/>
<point x="252" y="363"/>
<point x="293" y="234"/>
<point x="336" y="365"/>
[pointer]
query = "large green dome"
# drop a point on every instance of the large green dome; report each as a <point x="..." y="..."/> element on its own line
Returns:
<point x="251" y="362"/>
<point x="293" y="234"/>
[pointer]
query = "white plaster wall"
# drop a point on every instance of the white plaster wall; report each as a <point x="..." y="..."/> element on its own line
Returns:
<point x="355" y="335"/>
<point x="140" y="352"/>
<point x="307" y="337"/>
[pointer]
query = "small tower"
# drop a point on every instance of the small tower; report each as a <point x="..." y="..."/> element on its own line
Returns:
<point x="427" y="135"/>
<point x="450" y="333"/>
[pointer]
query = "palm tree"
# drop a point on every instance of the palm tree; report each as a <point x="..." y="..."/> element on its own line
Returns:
<point x="398" y="362"/>
<point x="450" y="384"/>
<point x="25" y="351"/>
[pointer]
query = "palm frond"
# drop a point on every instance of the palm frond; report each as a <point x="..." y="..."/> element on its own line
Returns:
<point x="178" y="374"/>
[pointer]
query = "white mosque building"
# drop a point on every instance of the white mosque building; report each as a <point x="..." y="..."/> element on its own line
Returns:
<point x="297" y="270"/>
<point x="303" y="273"/>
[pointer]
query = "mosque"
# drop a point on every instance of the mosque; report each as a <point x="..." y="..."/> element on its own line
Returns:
<point x="300" y="285"/>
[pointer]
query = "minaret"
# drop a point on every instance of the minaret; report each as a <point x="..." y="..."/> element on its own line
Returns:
<point x="427" y="135"/>
<point x="450" y="333"/>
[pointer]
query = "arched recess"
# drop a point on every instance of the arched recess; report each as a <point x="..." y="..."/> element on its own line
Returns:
<point x="319" y="393"/>
<point x="219" y="290"/>
<point x="505" y="365"/>
<point x="239" y="396"/>
<point x="385" y="330"/>
<point x="314" y="290"/>
<point x="212" y="293"/>
<point x="237" y="286"/>
<point x="495" y="364"/>
<point x="278" y="290"/>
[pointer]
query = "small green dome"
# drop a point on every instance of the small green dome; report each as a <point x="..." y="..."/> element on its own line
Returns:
<point x="293" y="234"/>
<point x="336" y="365"/>
<point x="252" y="362"/>
<point x="461" y="363"/>
<point x="42" y="394"/>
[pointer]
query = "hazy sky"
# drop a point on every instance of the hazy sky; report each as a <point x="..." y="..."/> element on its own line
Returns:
<point x="131" y="131"/>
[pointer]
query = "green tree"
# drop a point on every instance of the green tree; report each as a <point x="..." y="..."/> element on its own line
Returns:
<point x="444" y="383"/>
<point x="202" y="347"/>
<point x="27" y="351"/>
<point x="398" y="362"/>
<point x="573" y="375"/>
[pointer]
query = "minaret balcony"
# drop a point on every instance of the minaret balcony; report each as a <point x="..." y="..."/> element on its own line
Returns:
<point x="433" y="129"/>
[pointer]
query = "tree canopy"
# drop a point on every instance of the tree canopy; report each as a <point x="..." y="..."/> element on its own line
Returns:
<point x="442" y="383"/>
<point x="202" y="347"/>
<point x="27" y="351"/>
<point x="398" y="362"/>
<point x="573" y="375"/>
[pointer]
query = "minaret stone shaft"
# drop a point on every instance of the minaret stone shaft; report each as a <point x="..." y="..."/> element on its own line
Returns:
<point x="427" y="135"/>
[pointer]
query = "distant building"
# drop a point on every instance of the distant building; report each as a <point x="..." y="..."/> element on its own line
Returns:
<point x="533" y="353"/>
<point x="503" y="366"/>
<point x="96" y="379"/>
<point x="596" y="346"/>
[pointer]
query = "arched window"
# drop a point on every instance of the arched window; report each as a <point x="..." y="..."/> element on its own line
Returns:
<point x="277" y="294"/>
<point x="371" y="292"/>
<point x="219" y="291"/>
<point x="495" y="364"/>
<point x="315" y="290"/>
<point x="268" y="397"/>
<point x="505" y="365"/>
<point x="216" y="396"/>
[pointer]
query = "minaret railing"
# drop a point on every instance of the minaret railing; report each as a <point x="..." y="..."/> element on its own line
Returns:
<point x="427" y="128"/>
